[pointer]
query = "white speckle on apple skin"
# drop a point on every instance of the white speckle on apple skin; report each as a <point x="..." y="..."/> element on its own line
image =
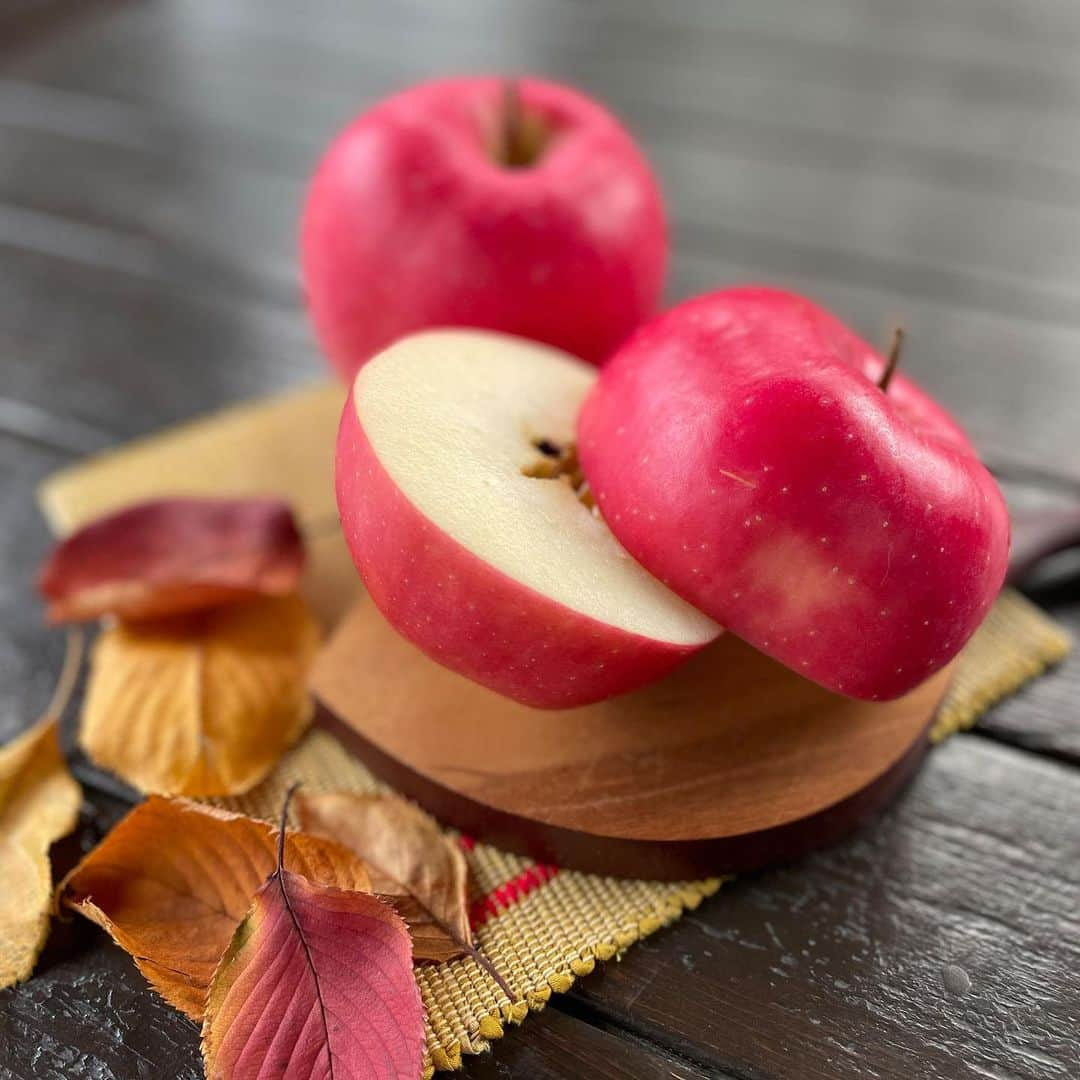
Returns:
<point x="824" y="489"/>
<point x="784" y="490"/>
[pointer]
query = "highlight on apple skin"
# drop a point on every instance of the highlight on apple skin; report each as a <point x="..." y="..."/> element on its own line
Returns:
<point x="474" y="543"/>
<point x="740" y="448"/>
<point x="520" y="206"/>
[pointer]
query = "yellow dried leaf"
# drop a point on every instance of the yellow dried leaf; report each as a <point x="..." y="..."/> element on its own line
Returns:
<point x="201" y="705"/>
<point x="39" y="803"/>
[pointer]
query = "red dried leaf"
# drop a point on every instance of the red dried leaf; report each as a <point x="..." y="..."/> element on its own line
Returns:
<point x="169" y="556"/>
<point x="317" y="983"/>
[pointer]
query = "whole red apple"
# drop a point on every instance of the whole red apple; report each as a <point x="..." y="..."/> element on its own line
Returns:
<point x="741" y="448"/>
<point x="516" y="206"/>
<point x="472" y="544"/>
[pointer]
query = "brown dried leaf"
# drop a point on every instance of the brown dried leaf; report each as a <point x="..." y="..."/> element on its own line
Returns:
<point x="202" y="704"/>
<point x="411" y="862"/>
<point x="172" y="881"/>
<point x="170" y="556"/>
<point x="39" y="803"/>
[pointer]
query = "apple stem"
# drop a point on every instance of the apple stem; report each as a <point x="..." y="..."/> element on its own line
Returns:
<point x="510" y="130"/>
<point x="893" y="361"/>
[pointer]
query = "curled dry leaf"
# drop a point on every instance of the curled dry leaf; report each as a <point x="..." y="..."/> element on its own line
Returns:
<point x="316" y="983"/>
<point x="39" y="803"/>
<point x="169" y="556"/>
<point x="172" y="881"/>
<point x="202" y="704"/>
<point x="410" y="861"/>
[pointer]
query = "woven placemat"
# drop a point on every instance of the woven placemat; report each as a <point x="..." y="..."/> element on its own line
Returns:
<point x="541" y="926"/>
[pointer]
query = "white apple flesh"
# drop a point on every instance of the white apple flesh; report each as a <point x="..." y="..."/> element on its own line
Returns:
<point x="504" y="577"/>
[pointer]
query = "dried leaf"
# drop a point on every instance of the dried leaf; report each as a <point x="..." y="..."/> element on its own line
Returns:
<point x="39" y="803"/>
<point x="203" y="704"/>
<point x="169" y="556"/>
<point x="172" y="881"/>
<point x="316" y="983"/>
<point x="410" y="860"/>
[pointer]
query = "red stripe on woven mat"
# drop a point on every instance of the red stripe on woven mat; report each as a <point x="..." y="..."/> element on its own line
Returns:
<point x="510" y="892"/>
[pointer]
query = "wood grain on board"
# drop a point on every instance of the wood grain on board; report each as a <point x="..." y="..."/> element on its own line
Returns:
<point x="731" y="762"/>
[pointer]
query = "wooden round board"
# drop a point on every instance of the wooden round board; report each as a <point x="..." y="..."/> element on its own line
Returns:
<point x="730" y="763"/>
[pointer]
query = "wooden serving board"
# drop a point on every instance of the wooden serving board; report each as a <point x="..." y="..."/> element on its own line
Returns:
<point x="730" y="763"/>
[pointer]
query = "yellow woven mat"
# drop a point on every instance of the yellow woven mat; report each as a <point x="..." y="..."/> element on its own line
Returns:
<point x="540" y="926"/>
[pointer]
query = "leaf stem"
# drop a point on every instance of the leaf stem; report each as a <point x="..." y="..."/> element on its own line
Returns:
<point x="281" y="829"/>
<point x="69" y="674"/>
<point x="490" y="968"/>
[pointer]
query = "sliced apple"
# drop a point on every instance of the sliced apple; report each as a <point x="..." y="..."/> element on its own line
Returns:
<point x="464" y="522"/>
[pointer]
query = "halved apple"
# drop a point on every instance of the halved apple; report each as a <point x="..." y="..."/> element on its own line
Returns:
<point x="460" y="505"/>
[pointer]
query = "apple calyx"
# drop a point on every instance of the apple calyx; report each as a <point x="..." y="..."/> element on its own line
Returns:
<point x="893" y="361"/>
<point x="561" y="463"/>
<point x="522" y="136"/>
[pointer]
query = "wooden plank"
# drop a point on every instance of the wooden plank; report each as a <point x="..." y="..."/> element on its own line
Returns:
<point x="1045" y="717"/>
<point x="186" y="321"/>
<point x="30" y="653"/>
<point x="129" y="354"/>
<point x="718" y="78"/>
<point x="945" y="935"/>
<point x="554" y="1045"/>
<point x="230" y="211"/>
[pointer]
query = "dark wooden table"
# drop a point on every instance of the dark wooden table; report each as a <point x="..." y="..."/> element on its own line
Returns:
<point x="916" y="160"/>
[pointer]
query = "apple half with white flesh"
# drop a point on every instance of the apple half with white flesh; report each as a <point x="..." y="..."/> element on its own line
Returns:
<point x="467" y="519"/>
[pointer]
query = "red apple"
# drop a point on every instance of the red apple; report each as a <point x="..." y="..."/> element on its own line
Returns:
<point x="500" y="575"/>
<point x="741" y="449"/>
<point x="522" y="207"/>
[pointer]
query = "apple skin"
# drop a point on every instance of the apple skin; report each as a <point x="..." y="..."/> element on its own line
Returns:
<point x="469" y="616"/>
<point x="740" y="448"/>
<point x="410" y="223"/>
